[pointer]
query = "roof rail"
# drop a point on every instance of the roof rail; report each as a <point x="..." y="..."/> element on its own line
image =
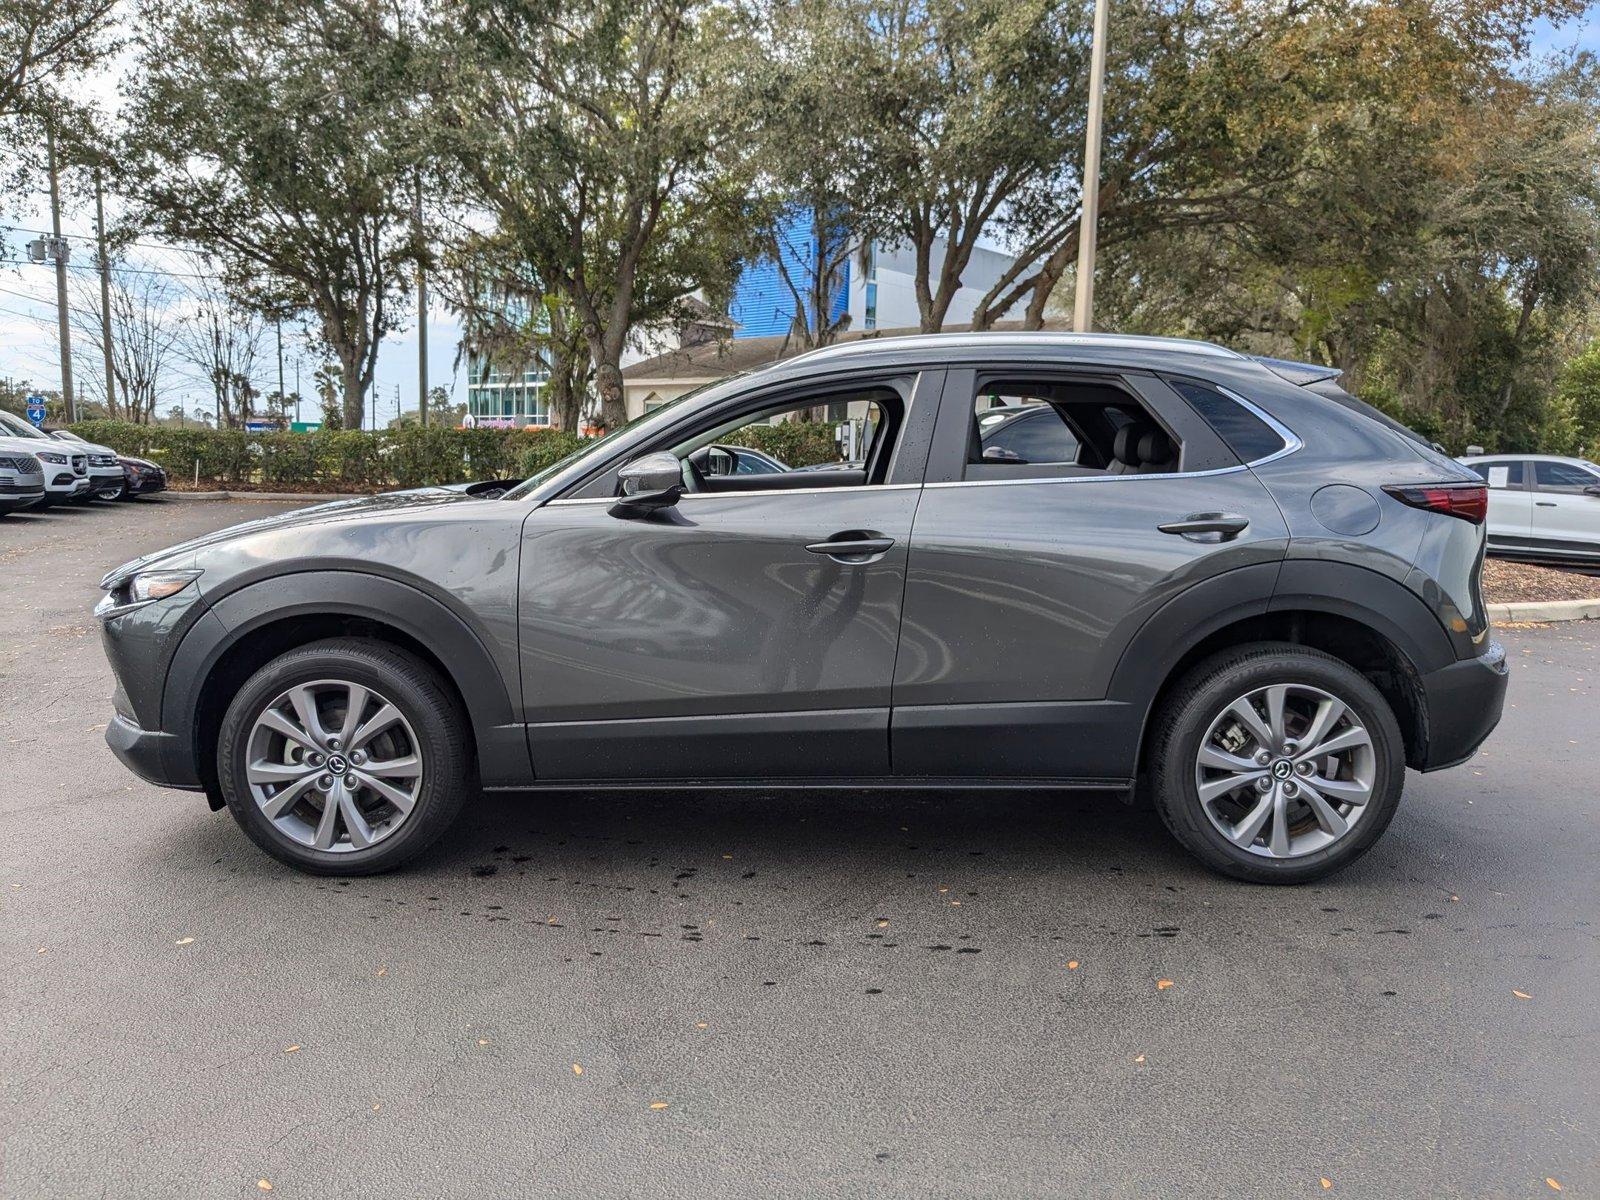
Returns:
<point x="1125" y="341"/>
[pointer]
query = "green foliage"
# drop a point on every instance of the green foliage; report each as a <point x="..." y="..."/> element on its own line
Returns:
<point x="1578" y="392"/>
<point x="793" y="443"/>
<point x="337" y="459"/>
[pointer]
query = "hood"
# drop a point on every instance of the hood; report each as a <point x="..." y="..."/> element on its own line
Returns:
<point x="15" y="445"/>
<point x="140" y="462"/>
<point x="386" y="505"/>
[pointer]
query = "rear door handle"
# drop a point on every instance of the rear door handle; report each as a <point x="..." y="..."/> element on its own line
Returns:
<point x="1227" y="525"/>
<point x="853" y="546"/>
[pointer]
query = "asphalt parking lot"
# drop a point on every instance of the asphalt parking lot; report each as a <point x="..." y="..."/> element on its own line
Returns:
<point x="800" y="995"/>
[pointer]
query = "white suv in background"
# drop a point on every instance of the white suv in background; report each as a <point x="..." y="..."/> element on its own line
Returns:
<point x="67" y="474"/>
<point x="105" y="469"/>
<point x="21" y="476"/>
<point x="1542" y="506"/>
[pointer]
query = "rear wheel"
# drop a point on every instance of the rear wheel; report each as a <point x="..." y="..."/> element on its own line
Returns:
<point x="344" y="757"/>
<point x="1276" y="763"/>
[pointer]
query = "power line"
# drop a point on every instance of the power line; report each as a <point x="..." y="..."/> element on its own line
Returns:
<point x="126" y="270"/>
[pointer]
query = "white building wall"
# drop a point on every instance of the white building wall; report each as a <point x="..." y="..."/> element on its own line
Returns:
<point x="896" y="270"/>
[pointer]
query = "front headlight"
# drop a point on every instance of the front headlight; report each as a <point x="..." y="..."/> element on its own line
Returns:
<point x="50" y="456"/>
<point x="142" y="589"/>
<point x="158" y="585"/>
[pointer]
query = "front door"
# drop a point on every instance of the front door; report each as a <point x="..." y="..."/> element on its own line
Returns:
<point x="749" y="631"/>
<point x="1565" y="515"/>
<point x="1029" y="576"/>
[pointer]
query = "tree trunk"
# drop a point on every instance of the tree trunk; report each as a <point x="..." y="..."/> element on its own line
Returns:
<point x="613" y="404"/>
<point x="354" y="411"/>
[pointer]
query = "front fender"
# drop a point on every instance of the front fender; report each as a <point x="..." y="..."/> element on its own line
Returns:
<point x="502" y="745"/>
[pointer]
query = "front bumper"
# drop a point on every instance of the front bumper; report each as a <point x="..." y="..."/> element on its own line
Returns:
<point x="1462" y="704"/>
<point x="153" y="756"/>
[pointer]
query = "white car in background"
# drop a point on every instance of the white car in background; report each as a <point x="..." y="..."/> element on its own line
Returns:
<point x="1542" y="506"/>
<point x="101" y="473"/>
<point x="21" y="476"/>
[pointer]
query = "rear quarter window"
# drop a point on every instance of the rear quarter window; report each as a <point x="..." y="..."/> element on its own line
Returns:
<point x="1246" y="434"/>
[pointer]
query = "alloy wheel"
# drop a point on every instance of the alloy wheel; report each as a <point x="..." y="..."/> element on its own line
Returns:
<point x="1285" y="770"/>
<point x="334" y="765"/>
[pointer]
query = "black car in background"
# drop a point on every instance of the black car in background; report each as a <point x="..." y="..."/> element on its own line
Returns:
<point x="141" y="477"/>
<point x="1220" y="582"/>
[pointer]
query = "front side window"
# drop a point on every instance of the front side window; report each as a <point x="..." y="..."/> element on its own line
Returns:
<point x="814" y="442"/>
<point x="1505" y="474"/>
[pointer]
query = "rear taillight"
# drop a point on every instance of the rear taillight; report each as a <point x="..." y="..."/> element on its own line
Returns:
<point x="1469" y="501"/>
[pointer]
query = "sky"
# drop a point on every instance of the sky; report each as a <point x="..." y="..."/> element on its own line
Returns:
<point x="29" y="346"/>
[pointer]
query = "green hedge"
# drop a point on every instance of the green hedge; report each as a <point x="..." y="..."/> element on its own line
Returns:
<point x="338" y="459"/>
<point x="793" y="443"/>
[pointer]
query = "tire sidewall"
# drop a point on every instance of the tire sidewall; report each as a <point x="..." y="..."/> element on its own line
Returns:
<point x="1177" y="795"/>
<point x="442" y="768"/>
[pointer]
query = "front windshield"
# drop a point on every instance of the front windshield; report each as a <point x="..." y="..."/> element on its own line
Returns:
<point x="555" y="468"/>
<point x="20" y="428"/>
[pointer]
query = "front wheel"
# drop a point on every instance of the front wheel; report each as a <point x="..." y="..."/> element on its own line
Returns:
<point x="345" y="757"/>
<point x="1276" y="763"/>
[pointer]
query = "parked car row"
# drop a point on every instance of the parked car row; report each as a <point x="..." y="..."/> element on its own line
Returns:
<point x="39" y="469"/>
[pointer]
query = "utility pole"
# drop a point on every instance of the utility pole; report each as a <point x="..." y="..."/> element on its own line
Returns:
<point x="105" y="294"/>
<point x="60" y="255"/>
<point x="422" y="315"/>
<point x="283" y="396"/>
<point x="1089" y="205"/>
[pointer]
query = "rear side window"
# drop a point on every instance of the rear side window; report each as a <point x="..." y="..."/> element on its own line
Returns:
<point x="1246" y="434"/>
<point x="1565" y="475"/>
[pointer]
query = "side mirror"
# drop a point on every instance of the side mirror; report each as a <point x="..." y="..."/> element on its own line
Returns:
<point x="721" y="461"/>
<point x="648" y="483"/>
<point x="1592" y="490"/>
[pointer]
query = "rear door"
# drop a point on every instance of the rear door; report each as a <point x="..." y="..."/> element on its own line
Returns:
<point x="1028" y="579"/>
<point x="1564" y="514"/>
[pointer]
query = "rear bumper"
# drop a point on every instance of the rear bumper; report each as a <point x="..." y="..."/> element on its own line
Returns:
<point x="153" y="756"/>
<point x="1463" y="704"/>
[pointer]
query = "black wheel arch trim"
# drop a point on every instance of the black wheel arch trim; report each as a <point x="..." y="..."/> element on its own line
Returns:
<point x="1400" y="616"/>
<point x="500" y="739"/>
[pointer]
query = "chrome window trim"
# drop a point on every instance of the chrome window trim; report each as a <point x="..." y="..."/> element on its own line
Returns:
<point x="817" y="491"/>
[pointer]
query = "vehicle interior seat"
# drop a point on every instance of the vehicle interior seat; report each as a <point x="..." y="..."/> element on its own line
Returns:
<point x="1142" y="449"/>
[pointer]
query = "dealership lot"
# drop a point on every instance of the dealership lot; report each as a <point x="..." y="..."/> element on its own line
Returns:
<point x="982" y="994"/>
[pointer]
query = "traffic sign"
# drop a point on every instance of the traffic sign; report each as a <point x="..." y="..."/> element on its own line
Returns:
<point x="36" y="411"/>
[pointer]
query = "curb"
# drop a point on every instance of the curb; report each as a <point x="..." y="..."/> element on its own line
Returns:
<point x="309" y="497"/>
<point x="1546" y="610"/>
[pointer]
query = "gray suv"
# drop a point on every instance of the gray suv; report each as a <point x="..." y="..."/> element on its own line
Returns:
<point x="1227" y="585"/>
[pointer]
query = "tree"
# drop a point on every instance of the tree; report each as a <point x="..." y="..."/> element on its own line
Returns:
<point x="144" y="333"/>
<point x="600" y="135"/>
<point x="277" y="135"/>
<point x="221" y="339"/>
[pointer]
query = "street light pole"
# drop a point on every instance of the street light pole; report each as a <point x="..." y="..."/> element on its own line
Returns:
<point x="63" y="328"/>
<point x="1089" y="207"/>
<point x="422" y="318"/>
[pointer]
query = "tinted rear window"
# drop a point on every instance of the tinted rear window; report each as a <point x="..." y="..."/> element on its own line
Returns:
<point x="1246" y="434"/>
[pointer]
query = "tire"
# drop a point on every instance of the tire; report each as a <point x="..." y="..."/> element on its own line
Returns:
<point x="1200" y="712"/>
<point x="431" y="729"/>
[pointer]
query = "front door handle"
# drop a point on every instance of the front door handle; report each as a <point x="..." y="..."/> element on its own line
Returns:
<point x="1225" y="525"/>
<point x="1545" y="503"/>
<point x="852" y="546"/>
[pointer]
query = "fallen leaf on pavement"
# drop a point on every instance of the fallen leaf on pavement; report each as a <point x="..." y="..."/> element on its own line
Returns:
<point x="183" y="941"/>
<point x="263" y="1185"/>
<point x="700" y="1024"/>
<point x="1325" y="1182"/>
<point x="292" y="1049"/>
<point x="658" y="1105"/>
<point x="1163" y="984"/>
<point x="383" y="970"/>
<point x="483" y="1041"/>
<point x="1073" y="965"/>
<point x="1554" y="1186"/>
<point x="1139" y="1059"/>
<point x="576" y="1069"/>
<point x="1520" y="995"/>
